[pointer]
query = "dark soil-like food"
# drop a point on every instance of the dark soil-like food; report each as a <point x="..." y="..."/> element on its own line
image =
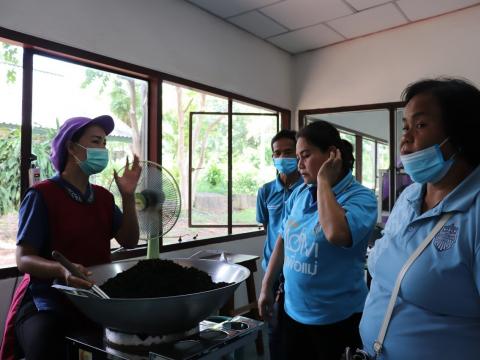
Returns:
<point x="158" y="278"/>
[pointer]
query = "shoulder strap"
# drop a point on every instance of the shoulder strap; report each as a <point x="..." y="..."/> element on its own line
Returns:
<point x="378" y="344"/>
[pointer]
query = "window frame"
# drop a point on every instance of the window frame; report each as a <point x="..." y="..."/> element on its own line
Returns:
<point x="358" y="150"/>
<point x="392" y="108"/>
<point x="229" y="225"/>
<point x="33" y="45"/>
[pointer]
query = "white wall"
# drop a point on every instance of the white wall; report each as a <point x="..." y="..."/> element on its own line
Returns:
<point x="171" y="36"/>
<point x="377" y="68"/>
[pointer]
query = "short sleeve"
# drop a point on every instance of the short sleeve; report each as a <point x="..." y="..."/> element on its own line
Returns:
<point x="262" y="211"/>
<point x="361" y="214"/>
<point x="33" y="228"/>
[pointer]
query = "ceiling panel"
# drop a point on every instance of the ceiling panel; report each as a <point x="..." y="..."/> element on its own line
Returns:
<point x="365" y="4"/>
<point x="258" y="24"/>
<point x="306" y="39"/>
<point x="295" y="14"/>
<point x="300" y="25"/>
<point x="416" y="10"/>
<point x="369" y="21"/>
<point x="227" y="8"/>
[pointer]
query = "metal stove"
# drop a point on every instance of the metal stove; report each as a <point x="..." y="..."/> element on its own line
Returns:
<point x="217" y="336"/>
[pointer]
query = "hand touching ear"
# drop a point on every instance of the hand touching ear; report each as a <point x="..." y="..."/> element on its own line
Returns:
<point x="331" y="169"/>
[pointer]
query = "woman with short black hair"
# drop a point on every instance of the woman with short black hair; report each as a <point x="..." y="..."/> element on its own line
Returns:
<point x="321" y="248"/>
<point x="432" y="236"/>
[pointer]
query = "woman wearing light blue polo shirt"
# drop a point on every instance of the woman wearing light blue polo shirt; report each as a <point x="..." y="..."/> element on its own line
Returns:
<point x="436" y="314"/>
<point x="322" y="248"/>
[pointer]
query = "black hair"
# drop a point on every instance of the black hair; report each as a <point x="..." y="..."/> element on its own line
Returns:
<point x="284" y="134"/>
<point x="458" y="100"/>
<point x="322" y="135"/>
<point x="78" y="134"/>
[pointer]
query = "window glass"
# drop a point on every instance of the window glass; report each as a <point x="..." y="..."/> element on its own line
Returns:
<point x="368" y="163"/>
<point x="209" y="171"/>
<point x="252" y="164"/>
<point x="195" y="147"/>
<point x="62" y="90"/>
<point x="352" y="140"/>
<point x="402" y="180"/>
<point x="11" y="75"/>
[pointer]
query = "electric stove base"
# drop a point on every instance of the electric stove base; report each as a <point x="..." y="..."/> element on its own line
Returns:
<point x="217" y="337"/>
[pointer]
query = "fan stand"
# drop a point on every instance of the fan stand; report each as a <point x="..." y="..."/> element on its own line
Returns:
<point x="153" y="248"/>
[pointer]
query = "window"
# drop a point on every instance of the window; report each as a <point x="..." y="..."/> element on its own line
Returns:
<point x="226" y="137"/>
<point x="11" y="76"/>
<point x="205" y="159"/>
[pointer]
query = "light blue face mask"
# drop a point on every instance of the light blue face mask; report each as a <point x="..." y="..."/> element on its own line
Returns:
<point x="95" y="162"/>
<point x="285" y="165"/>
<point x="427" y="165"/>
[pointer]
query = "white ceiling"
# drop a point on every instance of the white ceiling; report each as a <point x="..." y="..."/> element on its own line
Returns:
<point x="302" y="25"/>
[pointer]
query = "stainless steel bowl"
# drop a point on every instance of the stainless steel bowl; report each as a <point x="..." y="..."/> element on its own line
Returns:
<point x="163" y="315"/>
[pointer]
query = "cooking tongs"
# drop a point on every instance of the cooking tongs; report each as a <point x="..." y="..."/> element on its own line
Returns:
<point x="73" y="269"/>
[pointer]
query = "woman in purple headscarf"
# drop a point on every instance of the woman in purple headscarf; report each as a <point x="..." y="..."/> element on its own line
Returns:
<point x="68" y="214"/>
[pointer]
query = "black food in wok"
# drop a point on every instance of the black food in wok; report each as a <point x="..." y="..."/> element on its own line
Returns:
<point x="159" y="278"/>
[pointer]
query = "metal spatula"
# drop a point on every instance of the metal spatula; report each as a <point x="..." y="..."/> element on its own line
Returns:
<point x="73" y="269"/>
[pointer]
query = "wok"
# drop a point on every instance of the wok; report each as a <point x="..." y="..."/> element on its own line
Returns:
<point x="162" y="315"/>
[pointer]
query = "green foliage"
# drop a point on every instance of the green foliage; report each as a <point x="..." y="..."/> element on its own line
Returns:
<point x="245" y="183"/>
<point x="10" y="170"/>
<point x="11" y="56"/>
<point x="41" y="148"/>
<point x="10" y="165"/>
<point x="120" y="101"/>
<point x="245" y="216"/>
<point x="214" y="175"/>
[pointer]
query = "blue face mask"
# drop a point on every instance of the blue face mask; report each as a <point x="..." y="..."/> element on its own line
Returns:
<point x="427" y="165"/>
<point x="96" y="161"/>
<point x="285" y="165"/>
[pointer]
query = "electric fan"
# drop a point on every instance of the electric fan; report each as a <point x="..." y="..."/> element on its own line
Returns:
<point x="158" y="204"/>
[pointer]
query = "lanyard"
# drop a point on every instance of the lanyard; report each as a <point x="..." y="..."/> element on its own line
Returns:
<point x="378" y="344"/>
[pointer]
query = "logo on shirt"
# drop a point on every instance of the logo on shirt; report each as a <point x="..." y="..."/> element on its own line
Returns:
<point x="301" y="251"/>
<point x="272" y="206"/>
<point x="445" y="239"/>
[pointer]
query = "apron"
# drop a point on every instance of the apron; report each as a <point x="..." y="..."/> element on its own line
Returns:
<point x="93" y="249"/>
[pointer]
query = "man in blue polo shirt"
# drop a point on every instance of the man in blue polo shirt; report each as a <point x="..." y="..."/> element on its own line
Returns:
<point x="271" y="200"/>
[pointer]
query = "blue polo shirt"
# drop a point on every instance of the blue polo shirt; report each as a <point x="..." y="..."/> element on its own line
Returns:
<point x="33" y="229"/>
<point x="325" y="283"/>
<point x="437" y="314"/>
<point x="271" y="199"/>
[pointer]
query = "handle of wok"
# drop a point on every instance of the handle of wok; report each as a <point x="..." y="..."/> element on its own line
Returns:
<point x="75" y="272"/>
